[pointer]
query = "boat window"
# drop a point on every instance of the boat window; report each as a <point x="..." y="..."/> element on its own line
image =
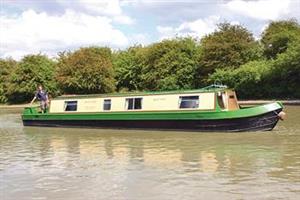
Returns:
<point x="189" y="102"/>
<point x="220" y="100"/>
<point x="70" y="105"/>
<point x="138" y="103"/>
<point x="134" y="103"/>
<point x="107" y="104"/>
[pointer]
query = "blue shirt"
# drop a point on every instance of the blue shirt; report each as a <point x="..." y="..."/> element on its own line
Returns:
<point x="41" y="95"/>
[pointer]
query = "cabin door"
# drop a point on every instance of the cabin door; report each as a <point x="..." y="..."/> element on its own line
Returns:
<point x="232" y="101"/>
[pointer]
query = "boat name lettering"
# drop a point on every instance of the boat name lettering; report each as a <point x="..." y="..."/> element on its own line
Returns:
<point x="90" y="101"/>
<point x="159" y="99"/>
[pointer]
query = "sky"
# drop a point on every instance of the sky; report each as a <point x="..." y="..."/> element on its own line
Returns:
<point x="52" y="26"/>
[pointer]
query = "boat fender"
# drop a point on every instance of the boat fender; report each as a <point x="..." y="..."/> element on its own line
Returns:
<point x="281" y="115"/>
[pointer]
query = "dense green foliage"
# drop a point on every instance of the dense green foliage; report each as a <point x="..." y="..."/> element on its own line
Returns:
<point x="87" y="70"/>
<point x="247" y="79"/>
<point x="265" y="68"/>
<point x="278" y="77"/>
<point x="28" y="73"/>
<point x="278" y="35"/>
<point x="229" y="46"/>
<point x="128" y="68"/>
<point x="169" y="65"/>
<point x="6" y="68"/>
<point x="284" y="79"/>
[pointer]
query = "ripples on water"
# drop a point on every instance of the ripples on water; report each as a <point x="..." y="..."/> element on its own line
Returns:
<point x="55" y="163"/>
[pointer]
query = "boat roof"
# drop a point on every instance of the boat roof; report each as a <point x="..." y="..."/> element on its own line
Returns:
<point x="211" y="88"/>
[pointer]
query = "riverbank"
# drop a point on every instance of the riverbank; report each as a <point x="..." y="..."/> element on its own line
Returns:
<point x="7" y="106"/>
<point x="258" y="102"/>
<point x="242" y="102"/>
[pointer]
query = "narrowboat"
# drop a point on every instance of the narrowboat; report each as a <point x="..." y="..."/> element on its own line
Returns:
<point x="213" y="108"/>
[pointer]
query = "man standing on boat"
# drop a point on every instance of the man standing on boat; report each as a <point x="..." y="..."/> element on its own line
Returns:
<point x="42" y="96"/>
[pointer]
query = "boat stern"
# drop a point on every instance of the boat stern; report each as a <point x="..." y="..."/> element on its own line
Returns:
<point x="29" y="113"/>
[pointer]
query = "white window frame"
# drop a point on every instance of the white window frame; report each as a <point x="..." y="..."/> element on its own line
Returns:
<point x="66" y="104"/>
<point x="104" y="100"/>
<point x="134" y="98"/>
<point x="180" y="100"/>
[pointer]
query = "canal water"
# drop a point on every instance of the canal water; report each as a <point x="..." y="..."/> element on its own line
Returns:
<point x="57" y="163"/>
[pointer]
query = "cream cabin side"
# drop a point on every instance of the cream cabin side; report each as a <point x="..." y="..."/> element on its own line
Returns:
<point x="187" y="101"/>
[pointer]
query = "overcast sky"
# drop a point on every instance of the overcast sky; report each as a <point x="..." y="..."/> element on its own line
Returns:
<point x="51" y="26"/>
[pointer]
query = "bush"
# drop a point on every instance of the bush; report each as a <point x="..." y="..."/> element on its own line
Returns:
<point x="6" y="68"/>
<point x="248" y="80"/>
<point x="284" y="79"/>
<point x="128" y="66"/>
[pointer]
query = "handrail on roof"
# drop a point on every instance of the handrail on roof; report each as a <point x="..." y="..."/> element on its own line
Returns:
<point x="214" y="86"/>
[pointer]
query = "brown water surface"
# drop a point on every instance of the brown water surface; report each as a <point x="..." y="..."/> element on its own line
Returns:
<point x="58" y="163"/>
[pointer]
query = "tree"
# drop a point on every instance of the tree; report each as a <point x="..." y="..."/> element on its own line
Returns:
<point x="245" y="79"/>
<point x="170" y="64"/>
<point x="87" y="70"/>
<point x="229" y="46"/>
<point x="273" y="78"/>
<point x="278" y="35"/>
<point x="29" y="72"/>
<point x="6" y="68"/>
<point x="128" y="66"/>
<point x="284" y="81"/>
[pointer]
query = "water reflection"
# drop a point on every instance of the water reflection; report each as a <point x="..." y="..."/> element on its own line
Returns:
<point x="191" y="152"/>
<point x="55" y="163"/>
